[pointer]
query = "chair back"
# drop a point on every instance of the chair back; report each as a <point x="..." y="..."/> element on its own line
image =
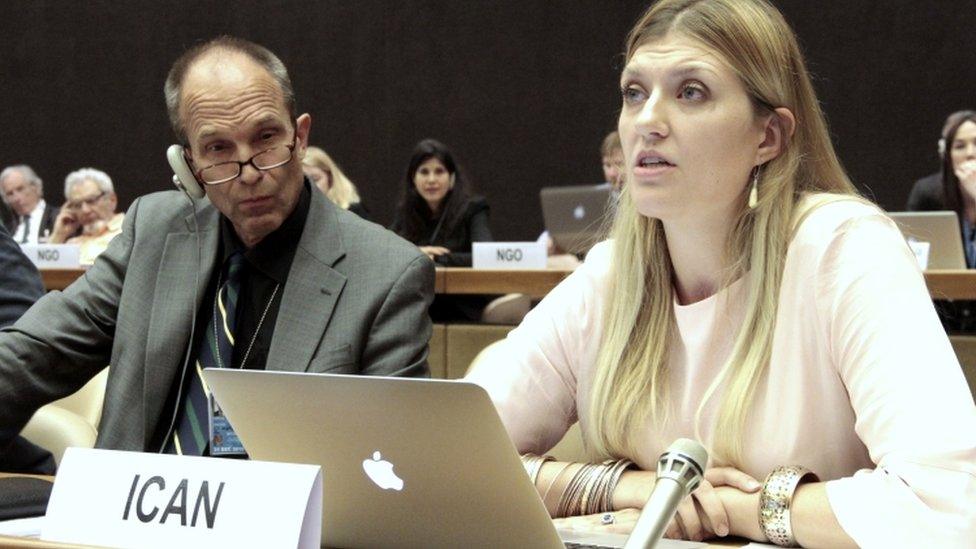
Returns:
<point x="71" y="421"/>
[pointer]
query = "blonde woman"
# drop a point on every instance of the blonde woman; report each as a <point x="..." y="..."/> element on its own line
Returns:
<point x="749" y="299"/>
<point x="326" y="175"/>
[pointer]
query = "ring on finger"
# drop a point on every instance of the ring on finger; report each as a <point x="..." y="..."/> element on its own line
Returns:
<point x="608" y="518"/>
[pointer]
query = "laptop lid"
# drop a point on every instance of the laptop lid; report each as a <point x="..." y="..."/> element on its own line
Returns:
<point x="405" y="462"/>
<point x="941" y="230"/>
<point x="574" y="215"/>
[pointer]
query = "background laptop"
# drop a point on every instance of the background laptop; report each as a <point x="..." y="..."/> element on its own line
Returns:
<point x="941" y="230"/>
<point x="463" y="484"/>
<point x="574" y="215"/>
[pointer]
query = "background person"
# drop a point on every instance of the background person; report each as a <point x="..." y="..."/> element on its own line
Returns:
<point x="23" y="191"/>
<point x="439" y="214"/>
<point x="830" y="317"/>
<point x="330" y="179"/>
<point x="437" y="211"/>
<point x="88" y="217"/>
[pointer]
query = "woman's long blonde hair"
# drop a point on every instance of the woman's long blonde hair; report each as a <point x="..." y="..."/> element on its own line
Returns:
<point x="342" y="193"/>
<point x="631" y="380"/>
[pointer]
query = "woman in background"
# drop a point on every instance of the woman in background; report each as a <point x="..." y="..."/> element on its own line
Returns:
<point x="437" y="210"/>
<point x="326" y="175"/>
<point x="749" y="299"/>
<point x="439" y="213"/>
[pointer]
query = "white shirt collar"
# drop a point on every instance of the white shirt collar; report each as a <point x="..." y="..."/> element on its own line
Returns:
<point x="38" y="210"/>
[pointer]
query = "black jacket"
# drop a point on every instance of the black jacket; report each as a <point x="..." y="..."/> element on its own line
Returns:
<point x="926" y="195"/>
<point x="472" y="227"/>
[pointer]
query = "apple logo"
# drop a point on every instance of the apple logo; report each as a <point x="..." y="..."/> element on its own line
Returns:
<point x="381" y="473"/>
<point x="579" y="212"/>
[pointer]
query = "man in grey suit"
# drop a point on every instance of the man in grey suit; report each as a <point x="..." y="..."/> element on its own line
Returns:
<point x="264" y="273"/>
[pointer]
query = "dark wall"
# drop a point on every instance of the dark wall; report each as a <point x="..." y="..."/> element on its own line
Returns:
<point x="522" y="90"/>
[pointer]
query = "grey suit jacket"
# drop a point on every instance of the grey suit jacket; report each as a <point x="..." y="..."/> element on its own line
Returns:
<point x="355" y="302"/>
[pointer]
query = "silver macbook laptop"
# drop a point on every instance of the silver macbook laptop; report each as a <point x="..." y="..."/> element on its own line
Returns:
<point x="941" y="230"/>
<point x="405" y="462"/>
<point x="574" y="215"/>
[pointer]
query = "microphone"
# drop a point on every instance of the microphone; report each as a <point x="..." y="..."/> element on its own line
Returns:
<point x="679" y="471"/>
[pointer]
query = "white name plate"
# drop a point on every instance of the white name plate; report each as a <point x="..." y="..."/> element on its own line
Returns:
<point x="53" y="256"/>
<point x="508" y="255"/>
<point x="132" y="499"/>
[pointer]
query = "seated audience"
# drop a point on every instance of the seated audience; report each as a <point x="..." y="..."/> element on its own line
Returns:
<point x="326" y="175"/>
<point x="301" y="285"/>
<point x="23" y="192"/>
<point x="88" y="217"/>
<point x="751" y="299"/>
<point x="439" y="213"/>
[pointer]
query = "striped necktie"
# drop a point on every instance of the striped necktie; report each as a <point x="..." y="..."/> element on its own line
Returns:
<point x="216" y="350"/>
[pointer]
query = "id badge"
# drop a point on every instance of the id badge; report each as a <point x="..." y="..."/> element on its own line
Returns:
<point x="223" y="439"/>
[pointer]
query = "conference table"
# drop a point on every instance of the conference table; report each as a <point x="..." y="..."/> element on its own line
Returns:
<point x="31" y="543"/>
<point x="942" y="284"/>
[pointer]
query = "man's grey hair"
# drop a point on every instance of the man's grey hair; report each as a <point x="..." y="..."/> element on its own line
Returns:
<point x="100" y="178"/>
<point x="27" y="173"/>
<point x="257" y="53"/>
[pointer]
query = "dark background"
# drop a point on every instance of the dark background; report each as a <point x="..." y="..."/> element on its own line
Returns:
<point x="523" y="91"/>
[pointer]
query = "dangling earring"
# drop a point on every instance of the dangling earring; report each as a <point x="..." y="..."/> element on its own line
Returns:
<point x="754" y="191"/>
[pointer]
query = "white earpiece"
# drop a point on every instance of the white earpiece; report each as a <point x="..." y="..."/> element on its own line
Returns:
<point x="183" y="176"/>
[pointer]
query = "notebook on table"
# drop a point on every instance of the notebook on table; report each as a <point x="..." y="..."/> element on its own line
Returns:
<point x="405" y="462"/>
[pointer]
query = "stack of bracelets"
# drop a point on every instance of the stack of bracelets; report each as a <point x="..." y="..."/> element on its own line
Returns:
<point x="589" y="490"/>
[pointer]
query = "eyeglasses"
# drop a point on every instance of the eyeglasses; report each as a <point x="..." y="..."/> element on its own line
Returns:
<point x="268" y="159"/>
<point x="90" y="201"/>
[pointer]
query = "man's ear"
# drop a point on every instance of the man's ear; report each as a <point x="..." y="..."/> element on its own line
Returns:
<point x="303" y="127"/>
<point x="777" y="131"/>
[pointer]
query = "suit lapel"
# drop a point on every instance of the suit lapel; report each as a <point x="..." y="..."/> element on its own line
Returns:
<point x="175" y="302"/>
<point x="311" y="292"/>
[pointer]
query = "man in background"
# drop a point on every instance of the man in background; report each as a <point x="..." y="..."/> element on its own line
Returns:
<point x="23" y="191"/>
<point x="88" y="217"/>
